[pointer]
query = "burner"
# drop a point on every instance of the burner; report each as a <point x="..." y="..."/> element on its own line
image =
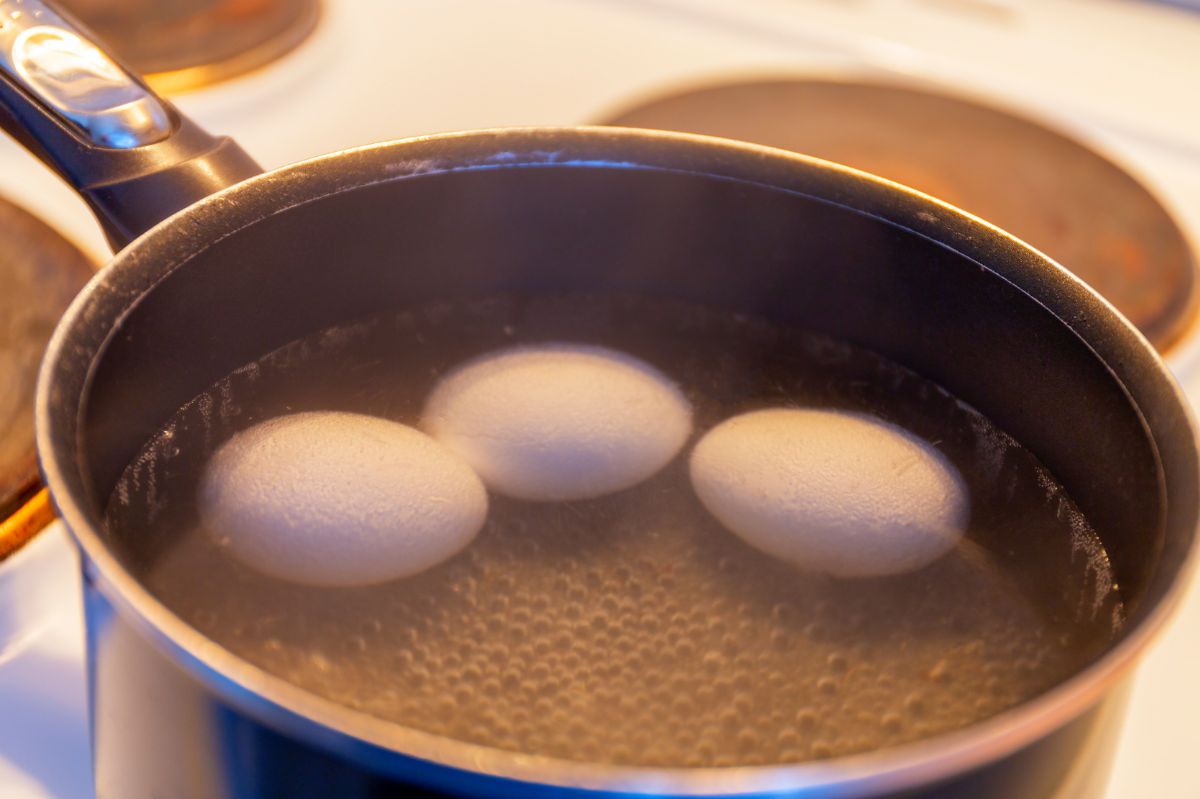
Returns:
<point x="40" y="272"/>
<point x="184" y="44"/>
<point x="1048" y="189"/>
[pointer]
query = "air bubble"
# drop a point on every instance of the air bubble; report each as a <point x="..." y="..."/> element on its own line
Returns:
<point x="822" y="749"/>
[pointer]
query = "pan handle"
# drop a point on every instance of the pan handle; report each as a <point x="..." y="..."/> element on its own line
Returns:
<point x="130" y="154"/>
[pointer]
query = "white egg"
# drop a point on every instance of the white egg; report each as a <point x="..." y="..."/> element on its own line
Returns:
<point x="830" y="491"/>
<point x="339" y="499"/>
<point x="559" y="421"/>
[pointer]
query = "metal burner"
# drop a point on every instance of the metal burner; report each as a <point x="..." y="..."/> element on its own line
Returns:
<point x="40" y="272"/>
<point x="184" y="44"/>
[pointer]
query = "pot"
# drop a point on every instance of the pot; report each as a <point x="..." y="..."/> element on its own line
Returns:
<point x="220" y="264"/>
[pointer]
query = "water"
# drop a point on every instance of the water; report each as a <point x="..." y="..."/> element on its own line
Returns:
<point x="632" y="628"/>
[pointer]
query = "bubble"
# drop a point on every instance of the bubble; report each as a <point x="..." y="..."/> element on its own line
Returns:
<point x="822" y="749"/>
<point x="748" y="740"/>
<point x="780" y="640"/>
<point x="685" y="649"/>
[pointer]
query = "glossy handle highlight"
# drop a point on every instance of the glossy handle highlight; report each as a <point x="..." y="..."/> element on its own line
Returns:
<point x="73" y="78"/>
<point x="130" y="154"/>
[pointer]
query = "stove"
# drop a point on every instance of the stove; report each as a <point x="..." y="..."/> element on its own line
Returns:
<point x="179" y="45"/>
<point x="374" y="69"/>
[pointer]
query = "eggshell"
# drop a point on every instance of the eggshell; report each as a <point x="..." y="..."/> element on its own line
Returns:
<point x="339" y="499"/>
<point x="559" y="422"/>
<point x="831" y="491"/>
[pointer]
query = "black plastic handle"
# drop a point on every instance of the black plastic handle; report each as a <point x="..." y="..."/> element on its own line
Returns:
<point x="130" y="154"/>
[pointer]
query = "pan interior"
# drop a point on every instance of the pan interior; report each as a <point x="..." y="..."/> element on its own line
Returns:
<point x="781" y="257"/>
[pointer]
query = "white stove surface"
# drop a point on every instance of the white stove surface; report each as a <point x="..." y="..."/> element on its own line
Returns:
<point x="1120" y="73"/>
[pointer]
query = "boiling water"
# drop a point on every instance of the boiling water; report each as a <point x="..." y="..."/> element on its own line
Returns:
<point x="633" y="628"/>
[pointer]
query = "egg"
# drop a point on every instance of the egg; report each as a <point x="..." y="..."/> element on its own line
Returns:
<point x="339" y="499"/>
<point x="831" y="491"/>
<point x="559" y="422"/>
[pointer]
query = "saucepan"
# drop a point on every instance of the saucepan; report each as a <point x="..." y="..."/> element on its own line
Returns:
<point x="218" y="263"/>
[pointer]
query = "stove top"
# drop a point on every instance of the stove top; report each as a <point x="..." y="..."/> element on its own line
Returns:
<point x="376" y="69"/>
